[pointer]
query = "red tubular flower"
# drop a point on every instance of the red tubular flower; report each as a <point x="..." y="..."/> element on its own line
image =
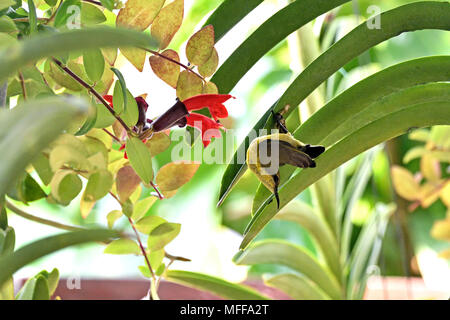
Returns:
<point x="208" y="127"/>
<point x="214" y="102"/>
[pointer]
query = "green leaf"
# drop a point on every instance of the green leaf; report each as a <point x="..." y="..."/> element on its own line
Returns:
<point x="6" y="3"/>
<point x="94" y="64"/>
<point x="228" y="14"/>
<point x="292" y="256"/>
<point x="35" y="288"/>
<point x="104" y="117"/>
<point x="296" y="286"/>
<point x="305" y="216"/>
<point x="108" y="4"/>
<point x="66" y="11"/>
<point x="268" y="35"/>
<point x="200" y="46"/>
<point x="27" y="129"/>
<point x="140" y="159"/>
<point x="385" y="128"/>
<point x="160" y="236"/>
<point x="411" y="17"/>
<point x="131" y="115"/>
<point x="158" y="143"/>
<point x="168" y="22"/>
<point x="32" y="17"/>
<point x="98" y="186"/>
<point x="14" y="261"/>
<point x="217" y="286"/>
<point x="51" y="44"/>
<point x="7" y="24"/>
<point x="91" y="14"/>
<point x="119" y="102"/>
<point x="122" y="246"/>
<point x="91" y="120"/>
<point x="66" y="185"/>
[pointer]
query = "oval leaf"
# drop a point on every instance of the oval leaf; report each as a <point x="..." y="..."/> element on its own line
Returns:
<point x="200" y="46"/>
<point x="188" y="85"/>
<point x="168" y="22"/>
<point x="139" y="14"/>
<point x="175" y="174"/>
<point x="140" y="159"/>
<point x="164" y="69"/>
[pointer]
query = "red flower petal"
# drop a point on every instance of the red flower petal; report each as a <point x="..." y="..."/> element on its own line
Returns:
<point x="109" y="99"/>
<point x="208" y="127"/>
<point x="214" y="102"/>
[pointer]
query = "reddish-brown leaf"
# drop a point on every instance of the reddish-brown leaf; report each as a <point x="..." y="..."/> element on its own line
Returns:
<point x="164" y="69"/>
<point x="126" y="182"/>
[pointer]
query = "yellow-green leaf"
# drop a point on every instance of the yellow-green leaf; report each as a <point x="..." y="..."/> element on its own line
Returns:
<point x="200" y="46"/>
<point x="404" y="183"/>
<point x="147" y="224"/>
<point x="142" y="206"/>
<point x="175" y="174"/>
<point x="104" y="117"/>
<point x="430" y="168"/>
<point x="122" y="246"/>
<point x="441" y="229"/>
<point x="188" y="85"/>
<point x="112" y="217"/>
<point x="135" y="56"/>
<point x="164" y="69"/>
<point x="160" y="236"/>
<point x="140" y="159"/>
<point x="158" y="143"/>
<point x="168" y="22"/>
<point x="110" y="55"/>
<point x="139" y="14"/>
<point x="210" y="88"/>
<point x="66" y="155"/>
<point x="209" y="67"/>
<point x="445" y="194"/>
<point x="126" y="182"/>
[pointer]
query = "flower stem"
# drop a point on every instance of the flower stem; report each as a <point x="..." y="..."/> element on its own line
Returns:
<point x="94" y="92"/>
<point x="22" y="84"/>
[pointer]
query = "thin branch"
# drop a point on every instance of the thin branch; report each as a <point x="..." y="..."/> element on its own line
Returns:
<point x="94" y="92"/>
<point x="47" y="222"/>
<point x="112" y="136"/>
<point x="22" y="84"/>
<point x="160" y="196"/>
<point x="174" y="61"/>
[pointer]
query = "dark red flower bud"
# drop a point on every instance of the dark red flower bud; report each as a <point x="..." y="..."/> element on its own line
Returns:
<point x="173" y="116"/>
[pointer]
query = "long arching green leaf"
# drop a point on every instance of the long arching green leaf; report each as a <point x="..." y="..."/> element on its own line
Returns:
<point x="14" y="261"/>
<point x="296" y="286"/>
<point x="385" y="128"/>
<point x="217" y="286"/>
<point x="50" y="44"/>
<point x="338" y="113"/>
<point x="228" y="14"/>
<point x="305" y="216"/>
<point x="411" y="17"/>
<point x="29" y="128"/>
<point x="295" y="257"/>
<point x="268" y="35"/>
